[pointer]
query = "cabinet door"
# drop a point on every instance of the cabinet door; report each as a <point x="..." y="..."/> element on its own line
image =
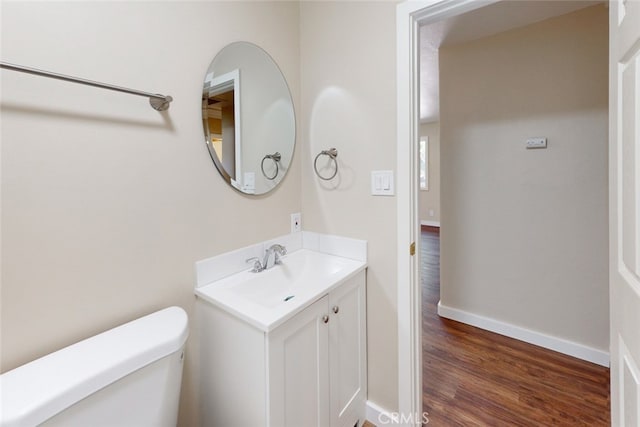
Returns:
<point x="347" y="352"/>
<point x="299" y="369"/>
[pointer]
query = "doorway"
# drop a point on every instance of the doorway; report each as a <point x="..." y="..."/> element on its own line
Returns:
<point x="408" y="329"/>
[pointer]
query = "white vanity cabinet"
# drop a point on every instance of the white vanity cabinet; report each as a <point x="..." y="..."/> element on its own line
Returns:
<point x="348" y="353"/>
<point x="309" y="371"/>
<point x="298" y="366"/>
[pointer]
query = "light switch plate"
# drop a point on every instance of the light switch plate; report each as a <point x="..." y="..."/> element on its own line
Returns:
<point x="382" y="183"/>
<point x="249" y="183"/>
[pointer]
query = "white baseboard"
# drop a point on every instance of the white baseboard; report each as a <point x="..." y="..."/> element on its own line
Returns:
<point x="374" y="413"/>
<point x="430" y="223"/>
<point x="532" y="337"/>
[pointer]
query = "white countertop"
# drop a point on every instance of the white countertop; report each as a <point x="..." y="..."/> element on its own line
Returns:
<point x="268" y="298"/>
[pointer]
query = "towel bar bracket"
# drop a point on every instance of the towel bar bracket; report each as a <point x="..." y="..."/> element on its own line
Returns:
<point x="158" y="102"/>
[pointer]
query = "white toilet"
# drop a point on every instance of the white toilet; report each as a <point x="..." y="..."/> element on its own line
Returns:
<point x="129" y="376"/>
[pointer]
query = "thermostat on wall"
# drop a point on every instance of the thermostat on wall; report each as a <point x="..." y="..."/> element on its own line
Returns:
<point x="536" y="143"/>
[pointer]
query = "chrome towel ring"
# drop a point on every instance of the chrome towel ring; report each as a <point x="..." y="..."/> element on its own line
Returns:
<point x="276" y="160"/>
<point x="332" y="153"/>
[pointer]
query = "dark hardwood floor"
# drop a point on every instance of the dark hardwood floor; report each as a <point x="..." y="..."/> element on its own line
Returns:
<point x="472" y="377"/>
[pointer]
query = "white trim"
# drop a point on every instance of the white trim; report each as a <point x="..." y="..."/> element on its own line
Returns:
<point x="408" y="308"/>
<point x="430" y="223"/>
<point x="428" y="12"/>
<point x="550" y="342"/>
<point x="375" y="413"/>
<point x="408" y="14"/>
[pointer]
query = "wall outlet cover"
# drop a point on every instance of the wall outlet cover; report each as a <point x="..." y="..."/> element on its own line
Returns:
<point x="296" y="222"/>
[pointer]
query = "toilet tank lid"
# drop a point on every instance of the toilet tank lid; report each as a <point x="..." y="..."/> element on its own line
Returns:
<point x="33" y="393"/>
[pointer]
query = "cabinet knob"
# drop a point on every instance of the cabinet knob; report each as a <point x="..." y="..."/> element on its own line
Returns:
<point x="336" y="309"/>
<point x="325" y="318"/>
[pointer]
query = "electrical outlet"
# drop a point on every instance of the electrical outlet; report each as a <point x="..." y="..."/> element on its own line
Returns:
<point x="296" y="222"/>
<point x="536" y="143"/>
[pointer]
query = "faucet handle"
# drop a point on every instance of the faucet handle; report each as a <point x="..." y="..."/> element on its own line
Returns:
<point x="257" y="265"/>
<point x="280" y="251"/>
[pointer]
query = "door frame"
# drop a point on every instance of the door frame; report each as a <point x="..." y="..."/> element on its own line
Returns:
<point x="409" y="15"/>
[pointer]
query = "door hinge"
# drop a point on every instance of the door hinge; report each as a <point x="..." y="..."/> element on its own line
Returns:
<point x="412" y="249"/>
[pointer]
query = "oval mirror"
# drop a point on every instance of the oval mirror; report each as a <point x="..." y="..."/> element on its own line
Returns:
<point x="248" y="118"/>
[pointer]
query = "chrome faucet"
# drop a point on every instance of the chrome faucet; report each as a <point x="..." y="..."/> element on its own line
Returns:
<point x="277" y="251"/>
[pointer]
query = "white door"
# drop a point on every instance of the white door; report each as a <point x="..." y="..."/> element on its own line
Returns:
<point x="347" y="352"/>
<point x="624" y="211"/>
<point x="299" y="369"/>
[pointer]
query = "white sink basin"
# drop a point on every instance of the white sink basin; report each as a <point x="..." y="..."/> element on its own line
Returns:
<point x="268" y="298"/>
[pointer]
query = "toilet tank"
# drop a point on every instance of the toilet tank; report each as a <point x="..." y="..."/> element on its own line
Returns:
<point x="127" y="376"/>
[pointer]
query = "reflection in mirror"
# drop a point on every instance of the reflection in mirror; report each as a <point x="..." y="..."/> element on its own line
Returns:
<point x="219" y="111"/>
<point x="275" y="158"/>
<point x="248" y="118"/>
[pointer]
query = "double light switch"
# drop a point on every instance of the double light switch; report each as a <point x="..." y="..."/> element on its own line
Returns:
<point x="382" y="183"/>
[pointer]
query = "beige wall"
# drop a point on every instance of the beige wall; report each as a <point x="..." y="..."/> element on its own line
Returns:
<point x="429" y="200"/>
<point x="106" y="203"/>
<point x="349" y="102"/>
<point x="524" y="232"/>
